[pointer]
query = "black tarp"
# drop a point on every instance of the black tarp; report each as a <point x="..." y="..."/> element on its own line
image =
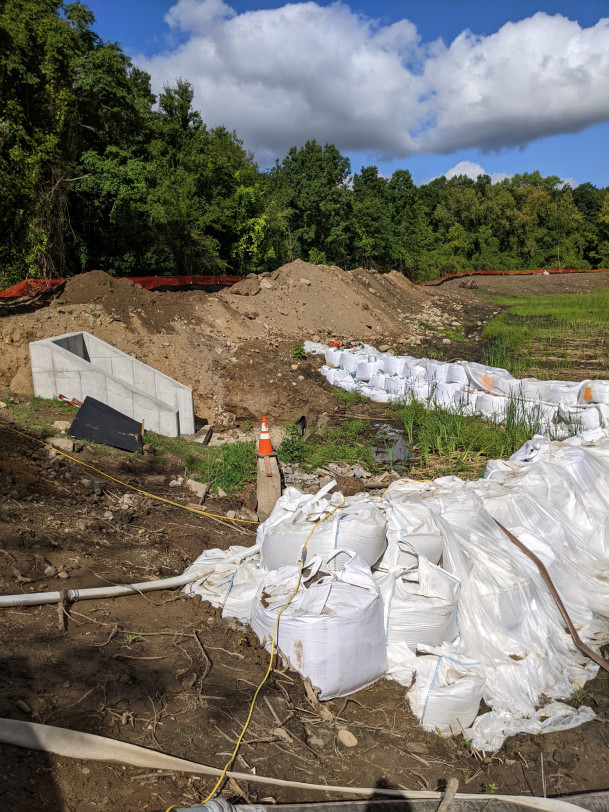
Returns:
<point x="97" y="422"/>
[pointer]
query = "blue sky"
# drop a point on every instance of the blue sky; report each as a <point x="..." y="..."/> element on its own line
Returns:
<point x="396" y="84"/>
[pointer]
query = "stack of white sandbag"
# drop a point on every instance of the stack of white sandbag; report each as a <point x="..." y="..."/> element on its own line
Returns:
<point x="559" y="407"/>
<point x="425" y="577"/>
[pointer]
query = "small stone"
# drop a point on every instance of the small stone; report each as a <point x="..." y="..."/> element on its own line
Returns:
<point x="62" y="425"/>
<point x="301" y="377"/>
<point x="62" y="443"/>
<point x="418" y="747"/>
<point x="49" y="571"/>
<point x="175" y="484"/>
<point x="294" y="366"/>
<point x="384" y="348"/>
<point x="199" y="488"/>
<point x="304" y="281"/>
<point x="446" y="341"/>
<point x="230" y="514"/>
<point x="108" y="515"/>
<point x="346" y="738"/>
<point x="63" y="575"/>
<point x="148" y="449"/>
<point x="2" y="404"/>
<point x="85" y="770"/>
<point x="221" y="493"/>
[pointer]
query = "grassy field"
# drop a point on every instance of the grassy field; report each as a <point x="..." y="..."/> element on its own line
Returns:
<point x="562" y="336"/>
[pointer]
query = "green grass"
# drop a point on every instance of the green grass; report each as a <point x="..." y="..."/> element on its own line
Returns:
<point x="447" y="442"/>
<point x="349" y="443"/>
<point x="228" y="467"/>
<point x="348" y="398"/>
<point x="39" y="414"/>
<point x="549" y="335"/>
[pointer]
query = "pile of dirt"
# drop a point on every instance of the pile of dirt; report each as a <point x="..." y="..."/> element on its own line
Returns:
<point x="300" y="299"/>
<point x="233" y="348"/>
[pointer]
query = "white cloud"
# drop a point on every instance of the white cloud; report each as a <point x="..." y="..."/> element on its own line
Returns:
<point x="280" y="76"/>
<point x="472" y="170"/>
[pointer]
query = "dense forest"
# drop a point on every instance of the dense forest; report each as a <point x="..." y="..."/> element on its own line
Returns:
<point x="97" y="172"/>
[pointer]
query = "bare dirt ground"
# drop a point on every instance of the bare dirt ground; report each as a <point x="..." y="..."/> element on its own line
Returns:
<point x="165" y="671"/>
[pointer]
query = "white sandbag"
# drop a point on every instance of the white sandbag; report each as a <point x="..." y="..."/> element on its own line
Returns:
<point x="411" y="531"/>
<point x="229" y="580"/>
<point x="603" y="411"/>
<point x="358" y="526"/>
<point x="331" y="631"/>
<point x="593" y="392"/>
<point x="420" y="605"/>
<point x="377" y="381"/>
<point x="456" y="373"/>
<point x="487" y="379"/>
<point x="380" y="396"/>
<point x="447" y="688"/>
<point x="394" y="365"/>
<point x="493" y="405"/>
<point x="395" y="385"/>
<point x="444" y="394"/>
<point x="436" y="371"/>
<point x="333" y="356"/>
<point x="581" y="417"/>
<point x="366" y="368"/>
<point x="314" y="348"/>
<point x="349" y="361"/>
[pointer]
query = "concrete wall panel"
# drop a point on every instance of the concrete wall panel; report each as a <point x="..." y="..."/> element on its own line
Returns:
<point x="113" y="377"/>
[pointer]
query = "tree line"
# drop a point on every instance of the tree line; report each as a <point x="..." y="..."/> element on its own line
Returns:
<point x="97" y="172"/>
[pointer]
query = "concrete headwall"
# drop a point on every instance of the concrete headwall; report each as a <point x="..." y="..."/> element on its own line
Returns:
<point x="79" y="364"/>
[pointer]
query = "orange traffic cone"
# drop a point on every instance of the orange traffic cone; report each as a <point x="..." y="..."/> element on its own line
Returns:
<point x="265" y="447"/>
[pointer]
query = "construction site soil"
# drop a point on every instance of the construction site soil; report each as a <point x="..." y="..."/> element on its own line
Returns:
<point x="165" y="671"/>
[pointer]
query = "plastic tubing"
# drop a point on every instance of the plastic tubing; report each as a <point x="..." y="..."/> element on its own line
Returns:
<point x="40" y="598"/>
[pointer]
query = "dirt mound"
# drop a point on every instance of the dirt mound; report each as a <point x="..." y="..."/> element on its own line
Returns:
<point x="301" y="300"/>
<point x="234" y="347"/>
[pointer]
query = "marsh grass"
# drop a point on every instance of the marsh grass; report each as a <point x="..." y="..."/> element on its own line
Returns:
<point x="550" y="336"/>
<point x="447" y="441"/>
<point x="349" y="443"/>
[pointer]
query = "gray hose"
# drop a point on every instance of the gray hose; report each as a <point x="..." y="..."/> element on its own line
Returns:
<point x="74" y="744"/>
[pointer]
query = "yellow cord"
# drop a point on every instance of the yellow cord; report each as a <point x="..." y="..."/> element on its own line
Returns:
<point x="270" y="666"/>
<point x="132" y="487"/>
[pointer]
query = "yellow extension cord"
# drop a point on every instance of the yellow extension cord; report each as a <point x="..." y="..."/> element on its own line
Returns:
<point x="132" y="487"/>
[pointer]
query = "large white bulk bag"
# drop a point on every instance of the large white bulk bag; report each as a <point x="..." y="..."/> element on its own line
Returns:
<point x="411" y="531"/>
<point x="359" y="527"/>
<point x="337" y="376"/>
<point x="332" y="629"/>
<point x="394" y="364"/>
<point x="593" y="392"/>
<point x="420" y="605"/>
<point x="229" y="580"/>
<point x="332" y="356"/>
<point x="447" y="688"/>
